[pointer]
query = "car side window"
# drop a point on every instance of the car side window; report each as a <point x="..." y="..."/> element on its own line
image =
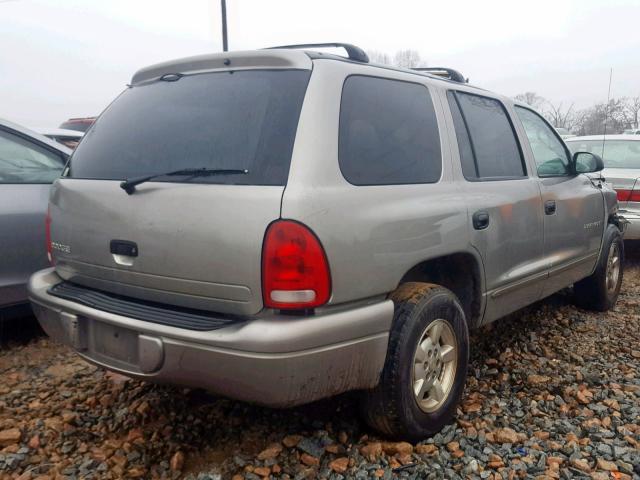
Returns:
<point x="488" y="146"/>
<point x="550" y="154"/>
<point x="22" y="161"/>
<point x="388" y="133"/>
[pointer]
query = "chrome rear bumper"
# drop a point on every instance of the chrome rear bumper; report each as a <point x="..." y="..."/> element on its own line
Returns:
<point x="273" y="360"/>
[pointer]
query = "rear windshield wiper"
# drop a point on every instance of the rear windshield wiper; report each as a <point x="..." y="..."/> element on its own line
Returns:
<point x="129" y="185"/>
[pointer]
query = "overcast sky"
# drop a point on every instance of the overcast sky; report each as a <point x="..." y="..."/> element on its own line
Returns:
<point x="66" y="58"/>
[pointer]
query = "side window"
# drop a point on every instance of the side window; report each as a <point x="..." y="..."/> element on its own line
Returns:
<point x="467" y="158"/>
<point x="549" y="152"/>
<point x="22" y="161"/>
<point x="388" y="133"/>
<point x="488" y="146"/>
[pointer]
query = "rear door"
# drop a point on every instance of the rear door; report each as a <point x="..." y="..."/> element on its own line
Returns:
<point x="503" y="202"/>
<point x="574" y="210"/>
<point x="193" y="241"/>
<point x="27" y="169"/>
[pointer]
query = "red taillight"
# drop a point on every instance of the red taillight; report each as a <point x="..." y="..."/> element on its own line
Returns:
<point x="295" y="272"/>
<point x="47" y="235"/>
<point x="623" y="195"/>
<point x="629" y="195"/>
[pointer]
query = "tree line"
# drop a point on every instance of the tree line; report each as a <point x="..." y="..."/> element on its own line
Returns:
<point x="611" y="117"/>
<point x="402" y="58"/>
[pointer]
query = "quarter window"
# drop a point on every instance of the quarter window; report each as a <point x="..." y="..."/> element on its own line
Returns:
<point x="549" y="153"/>
<point x="388" y="133"/>
<point x="486" y="139"/>
<point x="22" y="161"/>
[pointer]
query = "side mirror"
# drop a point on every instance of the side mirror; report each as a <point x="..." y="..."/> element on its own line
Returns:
<point x="587" y="162"/>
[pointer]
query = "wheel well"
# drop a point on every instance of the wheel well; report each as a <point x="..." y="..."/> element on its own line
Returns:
<point x="617" y="221"/>
<point x="460" y="273"/>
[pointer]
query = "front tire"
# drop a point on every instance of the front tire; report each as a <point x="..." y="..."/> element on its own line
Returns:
<point x="600" y="290"/>
<point x="425" y="369"/>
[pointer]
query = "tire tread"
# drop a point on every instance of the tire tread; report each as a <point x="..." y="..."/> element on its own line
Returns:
<point x="380" y="411"/>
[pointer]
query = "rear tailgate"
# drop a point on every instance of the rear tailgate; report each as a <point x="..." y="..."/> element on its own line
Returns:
<point x="199" y="246"/>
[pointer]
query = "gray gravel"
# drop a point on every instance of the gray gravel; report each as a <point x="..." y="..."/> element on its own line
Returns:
<point x="553" y="392"/>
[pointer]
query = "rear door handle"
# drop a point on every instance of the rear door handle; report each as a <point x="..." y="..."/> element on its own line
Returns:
<point x="123" y="247"/>
<point x="123" y="252"/>
<point x="550" y="207"/>
<point x="480" y="220"/>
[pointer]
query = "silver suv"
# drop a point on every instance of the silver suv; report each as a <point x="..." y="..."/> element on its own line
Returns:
<point x="280" y="226"/>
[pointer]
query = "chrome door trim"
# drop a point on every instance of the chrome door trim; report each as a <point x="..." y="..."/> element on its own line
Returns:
<point x="524" y="282"/>
<point x="572" y="263"/>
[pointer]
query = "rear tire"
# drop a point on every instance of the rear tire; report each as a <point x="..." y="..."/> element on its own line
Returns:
<point x="426" y="366"/>
<point x="600" y="290"/>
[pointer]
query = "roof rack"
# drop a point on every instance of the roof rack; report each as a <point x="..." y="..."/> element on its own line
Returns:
<point x="353" y="52"/>
<point x="448" y="73"/>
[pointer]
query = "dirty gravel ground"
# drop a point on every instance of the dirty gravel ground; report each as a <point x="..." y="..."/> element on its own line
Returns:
<point x="553" y="392"/>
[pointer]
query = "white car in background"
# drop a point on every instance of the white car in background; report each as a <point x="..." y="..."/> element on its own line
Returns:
<point x="564" y="133"/>
<point x="632" y="131"/>
<point x="69" y="138"/>
<point x="621" y="156"/>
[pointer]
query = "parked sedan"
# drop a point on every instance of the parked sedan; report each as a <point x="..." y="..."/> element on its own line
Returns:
<point x="69" y="138"/>
<point x="621" y="155"/>
<point x="29" y="163"/>
<point x="79" y="124"/>
<point x="564" y="133"/>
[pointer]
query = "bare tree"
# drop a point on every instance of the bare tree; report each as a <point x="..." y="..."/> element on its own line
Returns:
<point x="407" y="59"/>
<point x="632" y="108"/>
<point x="379" y="57"/>
<point x="560" y="117"/>
<point x="531" y="98"/>
<point x="402" y="58"/>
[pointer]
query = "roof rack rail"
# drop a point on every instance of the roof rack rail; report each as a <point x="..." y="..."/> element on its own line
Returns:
<point x="448" y="73"/>
<point x="353" y="52"/>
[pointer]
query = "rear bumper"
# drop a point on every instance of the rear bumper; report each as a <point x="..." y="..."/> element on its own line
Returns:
<point x="273" y="360"/>
<point x="633" y="227"/>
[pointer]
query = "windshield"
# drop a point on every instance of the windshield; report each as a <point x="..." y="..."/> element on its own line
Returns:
<point x="227" y="120"/>
<point x="617" y="153"/>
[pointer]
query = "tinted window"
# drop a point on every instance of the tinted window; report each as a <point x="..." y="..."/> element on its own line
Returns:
<point x="469" y="169"/>
<point x="549" y="152"/>
<point x="491" y="138"/>
<point x="614" y="153"/>
<point x="388" y="133"/>
<point x="23" y="161"/>
<point x="239" y="120"/>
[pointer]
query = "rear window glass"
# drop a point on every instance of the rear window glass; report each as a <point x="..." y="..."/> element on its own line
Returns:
<point x="388" y="133"/>
<point x="224" y="120"/>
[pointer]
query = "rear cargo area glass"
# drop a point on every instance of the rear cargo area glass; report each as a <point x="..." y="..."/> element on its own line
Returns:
<point x="223" y="120"/>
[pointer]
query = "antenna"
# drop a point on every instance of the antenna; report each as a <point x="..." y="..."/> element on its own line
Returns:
<point x="606" y="111"/>
<point x="223" y="6"/>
